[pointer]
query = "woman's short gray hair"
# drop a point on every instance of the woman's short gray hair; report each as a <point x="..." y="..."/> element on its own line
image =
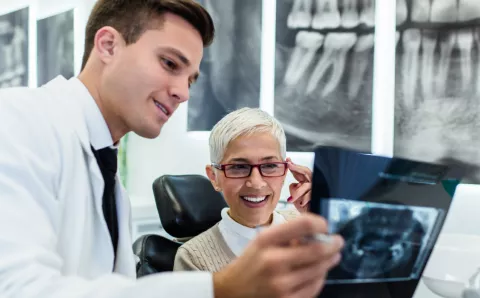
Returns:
<point x="244" y="121"/>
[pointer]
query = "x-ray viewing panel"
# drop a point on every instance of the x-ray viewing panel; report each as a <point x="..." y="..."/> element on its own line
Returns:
<point x="388" y="210"/>
<point x="383" y="242"/>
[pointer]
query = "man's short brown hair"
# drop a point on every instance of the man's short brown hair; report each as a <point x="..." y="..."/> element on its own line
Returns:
<point x="133" y="17"/>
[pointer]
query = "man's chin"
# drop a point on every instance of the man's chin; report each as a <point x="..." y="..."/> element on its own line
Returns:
<point x="151" y="133"/>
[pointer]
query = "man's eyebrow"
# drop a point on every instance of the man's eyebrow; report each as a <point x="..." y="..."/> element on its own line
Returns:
<point x="178" y="54"/>
<point x="183" y="59"/>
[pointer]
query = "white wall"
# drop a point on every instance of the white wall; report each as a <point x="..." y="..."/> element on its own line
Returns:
<point x="176" y="152"/>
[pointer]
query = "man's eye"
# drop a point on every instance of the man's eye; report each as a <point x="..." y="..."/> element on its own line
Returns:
<point x="169" y="64"/>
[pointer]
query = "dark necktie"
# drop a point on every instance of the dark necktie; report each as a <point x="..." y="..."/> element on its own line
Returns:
<point x="107" y="161"/>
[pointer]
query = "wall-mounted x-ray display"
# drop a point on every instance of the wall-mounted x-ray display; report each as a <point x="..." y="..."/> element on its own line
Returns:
<point x="55" y="47"/>
<point x="14" y="48"/>
<point x="230" y="71"/>
<point x="323" y="72"/>
<point x="437" y="107"/>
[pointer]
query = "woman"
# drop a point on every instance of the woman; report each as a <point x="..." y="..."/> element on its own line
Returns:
<point x="249" y="164"/>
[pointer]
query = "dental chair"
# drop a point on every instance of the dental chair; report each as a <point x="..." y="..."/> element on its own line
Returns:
<point x="187" y="205"/>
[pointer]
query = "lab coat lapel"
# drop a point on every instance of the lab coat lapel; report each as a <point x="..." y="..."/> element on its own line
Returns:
<point x="76" y="117"/>
<point x="125" y="262"/>
<point x="97" y="183"/>
<point x="75" y="114"/>
<point x="96" y="178"/>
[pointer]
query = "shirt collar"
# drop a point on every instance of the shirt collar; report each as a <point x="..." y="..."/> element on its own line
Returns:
<point x="97" y="127"/>
<point x="243" y="231"/>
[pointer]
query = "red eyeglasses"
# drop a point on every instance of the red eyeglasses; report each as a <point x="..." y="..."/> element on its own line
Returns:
<point x="271" y="169"/>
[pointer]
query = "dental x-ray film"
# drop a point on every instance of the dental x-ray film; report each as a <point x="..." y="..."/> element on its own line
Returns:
<point x="324" y="72"/>
<point x="230" y="70"/>
<point x="388" y="210"/>
<point x="437" y="82"/>
<point x="55" y="47"/>
<point x="383" y="241"/>
<point x="14" y="45"/>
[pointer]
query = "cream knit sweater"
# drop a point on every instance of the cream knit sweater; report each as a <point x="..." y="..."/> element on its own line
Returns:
<point x="209" y="251"/>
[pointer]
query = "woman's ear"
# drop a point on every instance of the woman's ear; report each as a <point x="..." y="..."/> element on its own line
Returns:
<point x="212" y="176"/>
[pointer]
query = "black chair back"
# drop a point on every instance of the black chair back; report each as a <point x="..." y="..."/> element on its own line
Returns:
<point x="187" y="205"/>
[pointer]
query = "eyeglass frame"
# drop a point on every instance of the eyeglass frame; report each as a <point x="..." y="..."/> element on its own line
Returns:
<point x="223" y="166"/>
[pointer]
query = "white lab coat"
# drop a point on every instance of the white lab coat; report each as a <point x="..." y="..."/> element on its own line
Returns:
<point x="54" y="241"/>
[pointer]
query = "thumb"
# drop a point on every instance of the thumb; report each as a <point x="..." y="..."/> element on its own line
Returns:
<point x="297" y="228"/>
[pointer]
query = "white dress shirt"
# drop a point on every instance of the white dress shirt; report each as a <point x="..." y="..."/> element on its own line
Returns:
<point x="238" y="236"/>
<point x="98" y="131"/>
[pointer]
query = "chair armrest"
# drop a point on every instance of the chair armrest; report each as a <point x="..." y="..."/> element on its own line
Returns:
<point x="155" y="253"/>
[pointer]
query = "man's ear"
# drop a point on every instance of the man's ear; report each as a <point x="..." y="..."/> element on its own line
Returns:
<point x="107" y="42"/>
<point x="212" y="176"/>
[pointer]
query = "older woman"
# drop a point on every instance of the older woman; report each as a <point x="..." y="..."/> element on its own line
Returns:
<point x="248" y="165"/>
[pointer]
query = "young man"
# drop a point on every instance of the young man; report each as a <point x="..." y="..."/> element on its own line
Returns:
<point x="64" y="218"/>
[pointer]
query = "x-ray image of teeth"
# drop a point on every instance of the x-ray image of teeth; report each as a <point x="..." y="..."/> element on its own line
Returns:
<point x="437" y="108"/>
<point x="323" y="72"/>
<point x="14" y="48"/>
<point x="55" y="47"/>
<point x="383" y="242"/>
<point x="230" y="71"/>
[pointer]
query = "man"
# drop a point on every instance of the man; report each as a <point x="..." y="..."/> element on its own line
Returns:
<point x="64" y="219"/>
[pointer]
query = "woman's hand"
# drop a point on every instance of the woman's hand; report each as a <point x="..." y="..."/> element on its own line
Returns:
<point x="300" y="193"/>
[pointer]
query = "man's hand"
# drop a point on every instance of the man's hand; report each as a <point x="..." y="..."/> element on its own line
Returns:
<point x="300" y="193"/>
<point x="278" y="264"/>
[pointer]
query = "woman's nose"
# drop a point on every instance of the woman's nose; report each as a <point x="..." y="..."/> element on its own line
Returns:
<point x="256" y="179"/>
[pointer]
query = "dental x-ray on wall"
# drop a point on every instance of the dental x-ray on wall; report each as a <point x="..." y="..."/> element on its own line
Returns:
<point x="437" y="115"/>
<point x="14" y="48"/>
<point x="230" y="71"/>
<point x="324" y="71"/>
<point x="55" y="47"/>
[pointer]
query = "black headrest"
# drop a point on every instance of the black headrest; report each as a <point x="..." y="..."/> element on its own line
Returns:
<point x="187" y="204"/>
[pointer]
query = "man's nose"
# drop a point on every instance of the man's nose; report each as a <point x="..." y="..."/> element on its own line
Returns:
<point x="180" y="91"/>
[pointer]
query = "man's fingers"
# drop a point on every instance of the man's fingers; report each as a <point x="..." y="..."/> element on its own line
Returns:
<point x="307" y="281"/>
<point x="281" y="259"/>
<point x="293" y="281"/>
<point x="318" y="252"/>
<point x="309" y="290"/>
<point x="311" y="286"/>
<point x="303" y="226"/>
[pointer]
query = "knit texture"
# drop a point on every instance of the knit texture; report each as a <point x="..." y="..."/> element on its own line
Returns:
<point x="209" y="251"/>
